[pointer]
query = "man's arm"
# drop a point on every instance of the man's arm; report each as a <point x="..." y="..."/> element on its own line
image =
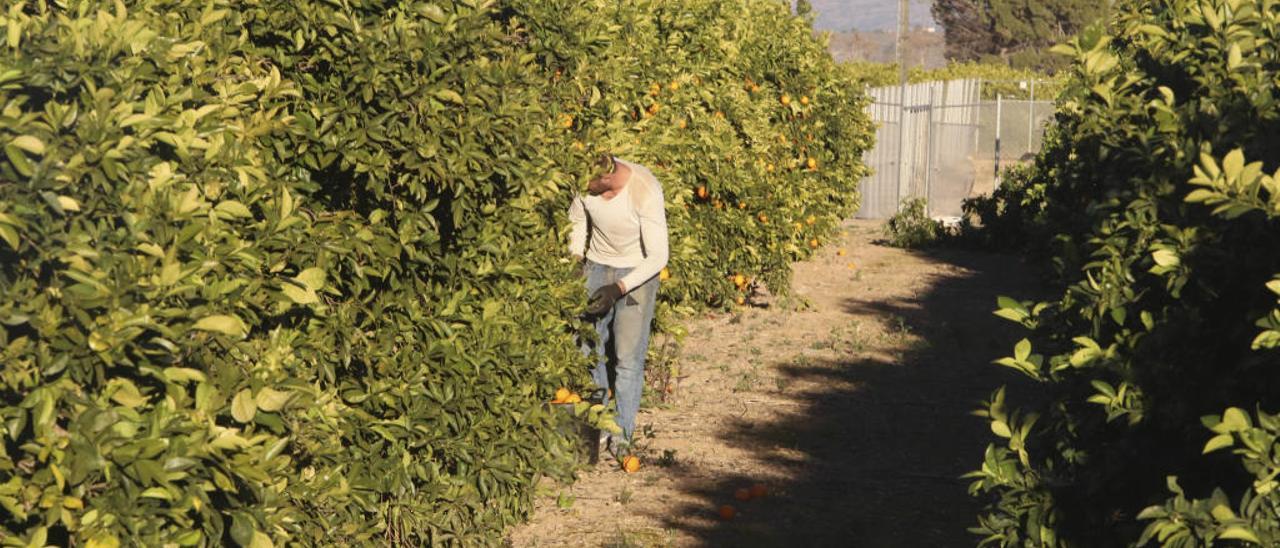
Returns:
<point x="653" y="228"/>
<point x="578" y="233"/>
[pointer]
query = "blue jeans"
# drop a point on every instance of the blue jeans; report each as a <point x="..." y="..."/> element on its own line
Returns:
<point x="626" y="326"/>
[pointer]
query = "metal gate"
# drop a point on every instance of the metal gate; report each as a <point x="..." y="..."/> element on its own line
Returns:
<point x="941" y="141"/>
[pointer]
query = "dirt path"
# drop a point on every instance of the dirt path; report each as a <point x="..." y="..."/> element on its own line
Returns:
<point x="854" y="412"/>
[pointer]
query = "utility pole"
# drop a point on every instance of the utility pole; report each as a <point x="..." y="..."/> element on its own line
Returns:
<point x="904" y="28"/>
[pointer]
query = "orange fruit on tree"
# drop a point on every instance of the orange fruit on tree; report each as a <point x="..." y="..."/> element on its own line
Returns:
<point x="653" y="109"/>
<point x="769" y="168"/>
<point x="742" y="205"/>
<point x="664" y="275"/>
<point x="674" y="85"/>
<point x="727" y="512"/>
<point x="759" y="490"/>
<point x="562" y="394"/>
<point x="719" y="204"/>
<point x="739" y="280"/>
<point x="631" y="464"/>
<point x="840" y="252"/>
<point x="573" y="398"/>
<point x="804" y="99"/>
<point x="683" y="124"/>
<point x="702" y="192"/>
<point x="741" y="300"/>
<point x="786" y="99"/>
<point x="764" y="219"/>
<point x="813" y="243"/>
<point x="811" y="220"/>
<point x="719" y="114"/>
<point x="566" y="121"/>
<point x="742" y="494"/>
<point x="812" y="163"/>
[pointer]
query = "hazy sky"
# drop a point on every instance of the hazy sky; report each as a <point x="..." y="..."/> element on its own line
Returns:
<point x="841" y="15"/>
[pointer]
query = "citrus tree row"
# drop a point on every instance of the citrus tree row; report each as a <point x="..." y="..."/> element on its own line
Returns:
<point x="292" y="272"/>
<point x="1157" y="202"/>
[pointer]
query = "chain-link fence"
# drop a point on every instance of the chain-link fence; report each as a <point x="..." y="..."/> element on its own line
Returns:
<point x="943" y="142"/>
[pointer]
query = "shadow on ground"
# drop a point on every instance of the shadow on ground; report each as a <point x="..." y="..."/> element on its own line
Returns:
<point x="877" y="442"/>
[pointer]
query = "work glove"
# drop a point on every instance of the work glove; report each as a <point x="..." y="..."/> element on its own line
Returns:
<point x="603" y="299"/>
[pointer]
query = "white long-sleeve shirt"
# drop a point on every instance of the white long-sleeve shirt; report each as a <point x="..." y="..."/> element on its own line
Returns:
<point x="627" y="231"/>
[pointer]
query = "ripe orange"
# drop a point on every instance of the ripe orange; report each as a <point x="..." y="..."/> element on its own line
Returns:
<point x="764" y="219"/>
<point x="739" y="280"/>
<point x="759" y="490"/>
<point x="579" y="146"/>
<point x="811" y="220"/>
<point x="566" y="121"/>
<point x="664" y="275"/>
<point x="840" y="253"/>
<point x="702" y="192"/>
<point x="683" y="123"/>
<point x="719" y="114"/>
<point x="755" y="87"/>
<point x="742" y="205"/>
<point x="741" y="300"/>
<point x="786" y="99"/>
<point x="727" y="512"/>
<point x="804" y="99"/>
<point x="742" y="494"/>
<point x="674" y="85"/>
<point x="653" y="109"/>
<point x="573" y="398"/>
<point x="719" y="204"/>
<point x="562" y="394"/>
<point x="812" y="163"/>
<point x="813" y="243"/>
<point x="631" y="464"/>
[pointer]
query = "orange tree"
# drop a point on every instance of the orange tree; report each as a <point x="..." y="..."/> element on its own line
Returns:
<point x="292" y="271"/>
<point x="1157" y="202"/>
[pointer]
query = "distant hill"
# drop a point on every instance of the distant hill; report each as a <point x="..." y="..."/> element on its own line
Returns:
<point x="867" y="15"/>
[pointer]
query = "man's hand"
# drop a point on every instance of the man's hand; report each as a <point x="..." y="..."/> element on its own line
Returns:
<point x="603" y="299"/>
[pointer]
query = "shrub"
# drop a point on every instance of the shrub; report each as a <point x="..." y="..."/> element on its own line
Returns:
<point x="1162" y="223"/>
<point x="911" y="227"/>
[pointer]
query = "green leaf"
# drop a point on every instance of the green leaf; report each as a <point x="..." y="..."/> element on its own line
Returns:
<point x="1166" y="258"/>
<point x="1022" y="350"/>
<point x="261" y="540"/>
<point x="243" y="407"/>
<point x="271" y="400"/>
<point x="29" y="144"/>
<point x="1218" y="442"/>
<point x="222" y="323"/>
<point x="10" y="236"/>
<point x="183" y="374"/>
<point x="232" y="209"/>
<point x="126" y="393"/>
<point x="313" y="278"/>
<point x="1235" y="419"/>
<point x="1236" y="532"/>
<point x="299" y="295"/>
<point x="1000" y="428"/>
<point x="449" y="95"/>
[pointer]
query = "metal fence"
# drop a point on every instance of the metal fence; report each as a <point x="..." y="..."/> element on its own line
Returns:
<point x="943" y="142"/>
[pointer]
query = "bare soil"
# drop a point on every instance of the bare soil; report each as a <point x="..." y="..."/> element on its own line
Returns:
<point x="854" y="411"/>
